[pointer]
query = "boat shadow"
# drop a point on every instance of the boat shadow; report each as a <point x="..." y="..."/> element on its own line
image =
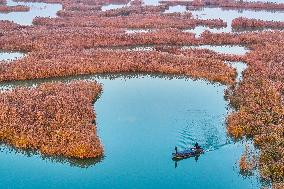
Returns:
<point x="196" y="158"/>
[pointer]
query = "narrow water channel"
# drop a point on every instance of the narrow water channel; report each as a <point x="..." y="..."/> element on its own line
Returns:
<point x="224" y="49"/>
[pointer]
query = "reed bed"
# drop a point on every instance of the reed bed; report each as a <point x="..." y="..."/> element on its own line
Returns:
<point x="260" y="108"/>
<point x="247" y="161"/>
<point x="55" y="119"/>
<point x="244" y="23"/>
<point x="180" y="21"/>
<point x="202" y="53"/>
<point x="85" y="2"/>
<point x="85" y="40"/>
<point x="9" y="26"/>
<point x="226" y="4"/>
<point x="109" y="61"/>
<point x="81" y="7"/>
<point x="3" y="2"/>
<point x="135" y="9"/>
<point x="247" y="5"/>
<point x="17" y="8"/>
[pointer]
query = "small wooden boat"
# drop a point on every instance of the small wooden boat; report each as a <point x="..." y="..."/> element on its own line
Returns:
<point x="191" y="152"/>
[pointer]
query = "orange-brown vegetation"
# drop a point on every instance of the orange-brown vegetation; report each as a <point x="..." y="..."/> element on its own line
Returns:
<point x="85" y="2"/>
<point x="231" y="4"/>
<point x="124" y="11"/>
<point x="259" y="103"/>
<point x="181" y="21"/>
<point x="110" y="61"/>
<point x="71" y="51"/>
<point x="247" y="162"/>
<point x="137" y="2"/>
<point x="17" y="8"/>
<point x="2" y="2"/>
<point x="204" y="53"/>
<point x="277" y="185"/>
<point x="54" y="118"/>
<point x="81" y="7"/>
<point x="80" y="40"/>
<point x="244" y="23"/>
<point x="247" y="5"/>
<point x="9" y="26"/>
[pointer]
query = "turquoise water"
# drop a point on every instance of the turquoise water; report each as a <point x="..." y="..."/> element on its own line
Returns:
<point x="140" y="120"/>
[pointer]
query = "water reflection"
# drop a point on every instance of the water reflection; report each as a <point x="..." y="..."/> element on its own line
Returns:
<point x="196" y="157"/>
<point x="7" y="85"/>
<point x="73" y="162"/>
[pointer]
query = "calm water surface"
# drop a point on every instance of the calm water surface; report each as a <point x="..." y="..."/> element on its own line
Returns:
<point x="8" y="56"/>
<point x="139" y="120"/>
<point x="36" y="9"/>
<point x="226" y="49"/>
<point x="227" y="16"/>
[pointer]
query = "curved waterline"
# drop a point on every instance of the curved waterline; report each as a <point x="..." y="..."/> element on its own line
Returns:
<point x="36" y="10"/>
<point x="140" y="119"/>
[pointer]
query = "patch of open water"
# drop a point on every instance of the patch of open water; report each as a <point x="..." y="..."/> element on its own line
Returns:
<point x="226" y="49"/>
<point x="177" y="8"/>
<point x="36" y="9"/>
<point x="9" y="56"/>
<point x="140" y="119"/>
<point x="112" y="6"/>
<point x="227" y="15"/>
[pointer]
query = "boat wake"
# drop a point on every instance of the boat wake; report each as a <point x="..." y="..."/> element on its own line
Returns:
<point x="206" y="129"/>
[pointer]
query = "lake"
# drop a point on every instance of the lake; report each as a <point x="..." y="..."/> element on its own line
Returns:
<point x="140" y="119"/>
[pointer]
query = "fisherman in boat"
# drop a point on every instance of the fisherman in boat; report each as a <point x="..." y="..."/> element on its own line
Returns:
<point x="197" y="147"/>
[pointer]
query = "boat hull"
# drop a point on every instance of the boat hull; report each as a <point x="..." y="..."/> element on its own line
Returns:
<point x="187" y="154"/>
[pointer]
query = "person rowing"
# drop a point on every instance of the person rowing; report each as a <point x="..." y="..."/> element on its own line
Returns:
<point x="197" y="147"/>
